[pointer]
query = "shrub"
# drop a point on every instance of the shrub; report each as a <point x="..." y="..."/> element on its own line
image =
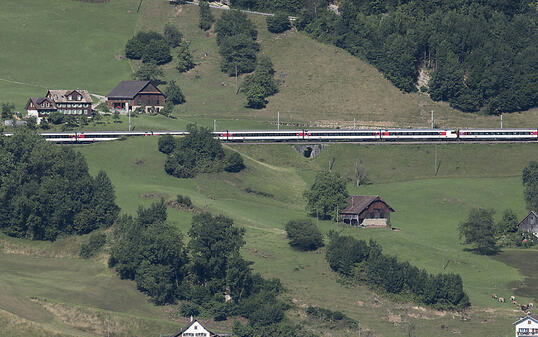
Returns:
<point x="172" y="35"/>
<point x="167" y="144"/>
<point x="56" y="117"/>
<point x="278" y="23"/>
<point x="184" y="200"/>
<point x="189" y="309"/>
<point x="234" y="163"/>
<point x="304" y="235"/>
<point x="96" y="242"/>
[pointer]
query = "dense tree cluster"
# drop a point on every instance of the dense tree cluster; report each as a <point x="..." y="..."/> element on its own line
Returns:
<point x="366" y="261"/>
<point x="304" y="234"/>
<point x="196" y="152"/>
<point x="236" y="38"/>
<point x="150" y="47"/>
<point x="482" y="55"/>
<point x="326" y="196"/>
<point x="278" y="23"/>
<point x="47" y="191"/>
<point x="284" y="6"/>
<point x="206" y="18"/>
<point x="260" y="84"/>
<point x="151" y="252"/>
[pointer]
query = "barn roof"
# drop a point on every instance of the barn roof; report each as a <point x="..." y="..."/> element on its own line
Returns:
<point x="358" y="203"/>
<point x="128" y="89"/>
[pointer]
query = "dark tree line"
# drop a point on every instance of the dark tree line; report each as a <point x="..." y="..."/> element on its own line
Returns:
<point x="47" y="191"/>
<point x="197" y="152"/>
<point x="359" y="259"/>
<point x="482" y="55"/>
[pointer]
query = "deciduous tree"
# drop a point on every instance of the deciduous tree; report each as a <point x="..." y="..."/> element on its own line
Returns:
<point x="479" y="230"/>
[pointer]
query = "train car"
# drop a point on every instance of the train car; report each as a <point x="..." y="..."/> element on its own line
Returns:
<point x="60" y="137"/>
<point x="418" y="134"/>
<point x="342" y="135"/>
<point x="498" y="134"/>
<point x="262" y="135"/>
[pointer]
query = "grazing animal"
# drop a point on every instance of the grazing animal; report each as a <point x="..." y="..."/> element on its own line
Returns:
<point x="514" y="302"/>
<point x="524" y="307"/>
<point x="501" y="299"/>
<point x="494" y="296"/>
<point x="531" y="305"/>
<point x="512" y="298"/>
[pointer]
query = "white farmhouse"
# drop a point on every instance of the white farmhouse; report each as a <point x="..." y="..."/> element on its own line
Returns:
<point x="196" y="329"/>
<point x="527" y="326"/>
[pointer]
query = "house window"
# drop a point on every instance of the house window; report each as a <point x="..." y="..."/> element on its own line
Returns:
<point x="70" y="98"/>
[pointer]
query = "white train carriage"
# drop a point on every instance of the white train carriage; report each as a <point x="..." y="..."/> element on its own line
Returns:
<point x="60" y="137"/>
<point x="498" y="134"/>
<point x="263" y="135"/>
<point x="342" y="135"/>
<point x="419" y="134"/>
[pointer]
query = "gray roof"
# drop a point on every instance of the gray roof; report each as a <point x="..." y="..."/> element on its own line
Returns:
<point x="62" y="96"/>
<point x="358" y="203"/>
<point x="530" y="223"/>
<point x="128" y="89"/>
<point x="532" y="317"/>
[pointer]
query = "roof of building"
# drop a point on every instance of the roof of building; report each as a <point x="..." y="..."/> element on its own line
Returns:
<point x="531" y="317"/>
<point x="128" y="89"/>
<point x="61" y="96"/>
<point x="188" y="326"/>
<point x="38" y="103"/>
<point x="358" y="203"/>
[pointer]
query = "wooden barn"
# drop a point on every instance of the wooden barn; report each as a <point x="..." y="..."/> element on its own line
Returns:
<point x="129" y="95"/>
<point x="530" y="223"/>
<point x="366" y="211"/>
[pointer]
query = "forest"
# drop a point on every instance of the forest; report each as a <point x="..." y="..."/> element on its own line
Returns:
<point x="47" y="191"/>
<point x="477" y="55"/>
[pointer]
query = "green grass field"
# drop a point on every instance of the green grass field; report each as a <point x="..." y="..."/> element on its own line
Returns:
<point x="59" y="44"/>
<point x="48" y="280"/>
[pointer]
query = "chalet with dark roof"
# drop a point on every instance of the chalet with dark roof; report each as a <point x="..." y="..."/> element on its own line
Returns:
<point x="366" y="211"/>
<point x="68" y="102"/>
<point x="530" y="223"/>
<point x="40" y="107"/>
<point x="130" y="95"/>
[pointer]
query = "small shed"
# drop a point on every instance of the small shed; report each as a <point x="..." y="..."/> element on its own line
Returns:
<point x="530" y="223"/>
<point x="366" y="211"/>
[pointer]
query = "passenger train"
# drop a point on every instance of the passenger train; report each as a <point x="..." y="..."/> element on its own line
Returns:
<point x="338" y="135"/>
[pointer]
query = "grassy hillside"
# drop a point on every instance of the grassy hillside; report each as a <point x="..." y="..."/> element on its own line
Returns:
<point x="63" y="44"/>
<point x="320" y="84"/>
<point x="51" y="281"/>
